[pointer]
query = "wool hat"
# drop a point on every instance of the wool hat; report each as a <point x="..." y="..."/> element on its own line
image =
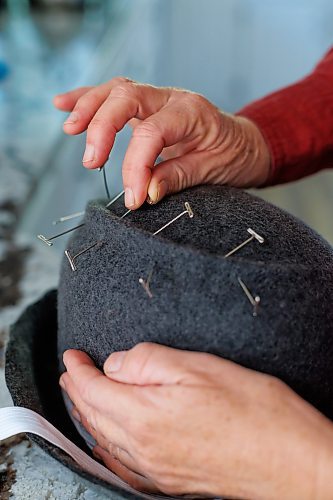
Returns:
<point x="121" y="284"/>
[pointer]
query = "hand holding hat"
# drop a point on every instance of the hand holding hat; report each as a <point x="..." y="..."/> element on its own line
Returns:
<point x="201" y="410"/>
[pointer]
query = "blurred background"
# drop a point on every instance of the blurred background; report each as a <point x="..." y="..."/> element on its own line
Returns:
<point x="232" y="51"/>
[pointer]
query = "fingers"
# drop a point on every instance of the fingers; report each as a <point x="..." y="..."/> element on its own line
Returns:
<point x="109" y="119"/>
<point x="109" y="398"/>
<point x="160" y="121"/>
<point x="105" y="110"/>
<point x="186" y="170"/>
<point x="85" y="108"/>
<point x="135" y="480"/>
<point x="153" y="364"/>
<point x="163" y="128"/>
<point x="126" y="102"/>
<point x="106" y="444"/>
<point x="176" y="174"/>
<point x="67" y="101"/>
<point x="120" y="455"/>
<point x="98" y="424"/>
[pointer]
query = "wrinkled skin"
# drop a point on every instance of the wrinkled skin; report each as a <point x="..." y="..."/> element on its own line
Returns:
<point x="199" y="143"/>
<point x="185" y="422"/>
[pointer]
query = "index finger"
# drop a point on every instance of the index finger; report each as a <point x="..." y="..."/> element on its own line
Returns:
<point x="126" y="100"/>
<point x="67" y="101"/>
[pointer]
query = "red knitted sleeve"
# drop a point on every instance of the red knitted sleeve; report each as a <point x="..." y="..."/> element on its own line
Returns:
<point x="297" y="124"/>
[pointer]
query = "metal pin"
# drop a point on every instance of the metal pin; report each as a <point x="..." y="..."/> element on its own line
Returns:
<point x="146" y="284"/>
<point x="115" y="199"/>
<point x="253" y="236"/>
<point x="102" y="169"/>
<point x="68" y="217"/>
<point x="48" y="241"/>
<point x="79" y="214"/>
<point x="255" y="301"/>
<point x="71" y="258"/>
<point x="187" y="211"/>
<point x="126" y="213"/>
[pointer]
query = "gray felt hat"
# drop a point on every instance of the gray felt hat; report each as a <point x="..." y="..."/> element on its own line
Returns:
<point x="196" y="297"/>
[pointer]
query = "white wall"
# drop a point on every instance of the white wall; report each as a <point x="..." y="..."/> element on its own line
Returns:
<point x="236" y="50"/>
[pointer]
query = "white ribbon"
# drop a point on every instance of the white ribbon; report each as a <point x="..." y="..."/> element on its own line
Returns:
<point x="15" y="420"/>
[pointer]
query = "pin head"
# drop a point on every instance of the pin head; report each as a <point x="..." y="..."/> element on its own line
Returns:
<point x="256" y="235"/>
<point x="44" y="239"/>
<point x="189" y="209"/>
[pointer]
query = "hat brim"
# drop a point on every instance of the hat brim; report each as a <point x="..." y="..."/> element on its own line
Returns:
<point x="32" y="377"/>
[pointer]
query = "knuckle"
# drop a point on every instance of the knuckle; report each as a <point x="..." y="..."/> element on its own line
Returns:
<point x="88" y="101"/>
<point x="141" y="355"/>
<point x="170" y="485"/>
<point x="181" y="178"/>
<point x="119" y="80"/>
<point x="273" y="383"/>
<point x="148" y="128"/>
<point x="196" y="100"/>
<point x="113" y="450"/>
<point x="92" y="421"/>
<point x="128" y="170"/>
<point x="124" y="90"/>
<point x="136" y="483"/>
<point x="98" y="123"/>
<point x="162" y="473"/>
<point x="143" y="348"/>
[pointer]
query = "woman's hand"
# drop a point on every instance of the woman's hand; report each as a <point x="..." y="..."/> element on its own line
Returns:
<point x="198" y="143"/>
<point x="183" y="422"/>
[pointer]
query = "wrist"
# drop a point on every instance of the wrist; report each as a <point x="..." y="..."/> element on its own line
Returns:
<point x="307" y="468"/>
<point x="256" y="158"/>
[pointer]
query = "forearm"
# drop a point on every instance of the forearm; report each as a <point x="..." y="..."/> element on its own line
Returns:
<point x="297" y="124"/>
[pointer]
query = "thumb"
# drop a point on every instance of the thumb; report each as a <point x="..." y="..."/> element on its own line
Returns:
<point x="176" y="174"/>
<point x="152" y="364"/>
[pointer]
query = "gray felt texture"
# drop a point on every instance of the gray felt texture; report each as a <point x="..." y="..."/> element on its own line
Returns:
<point x="197" y="302"/>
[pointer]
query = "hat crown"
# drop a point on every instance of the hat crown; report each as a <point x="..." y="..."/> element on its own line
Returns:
<point x="196" y="301"/>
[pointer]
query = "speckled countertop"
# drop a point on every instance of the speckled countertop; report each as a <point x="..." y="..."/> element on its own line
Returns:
<point x="27" y="269"/>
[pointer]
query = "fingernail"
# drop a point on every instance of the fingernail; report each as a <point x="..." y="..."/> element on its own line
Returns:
<point x="155" y="193"/>
<point x="114" y="362"/>
<point x="73" y="118"/>
<point x="89" y="153"/>
<point x="76" y="414"/>
<point x="129" y="198"/>
<point x="62" y="383"/>
<point x="96" y="455"/>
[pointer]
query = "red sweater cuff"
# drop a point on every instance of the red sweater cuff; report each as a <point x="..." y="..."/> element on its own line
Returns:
<point x="297" y="124"/>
